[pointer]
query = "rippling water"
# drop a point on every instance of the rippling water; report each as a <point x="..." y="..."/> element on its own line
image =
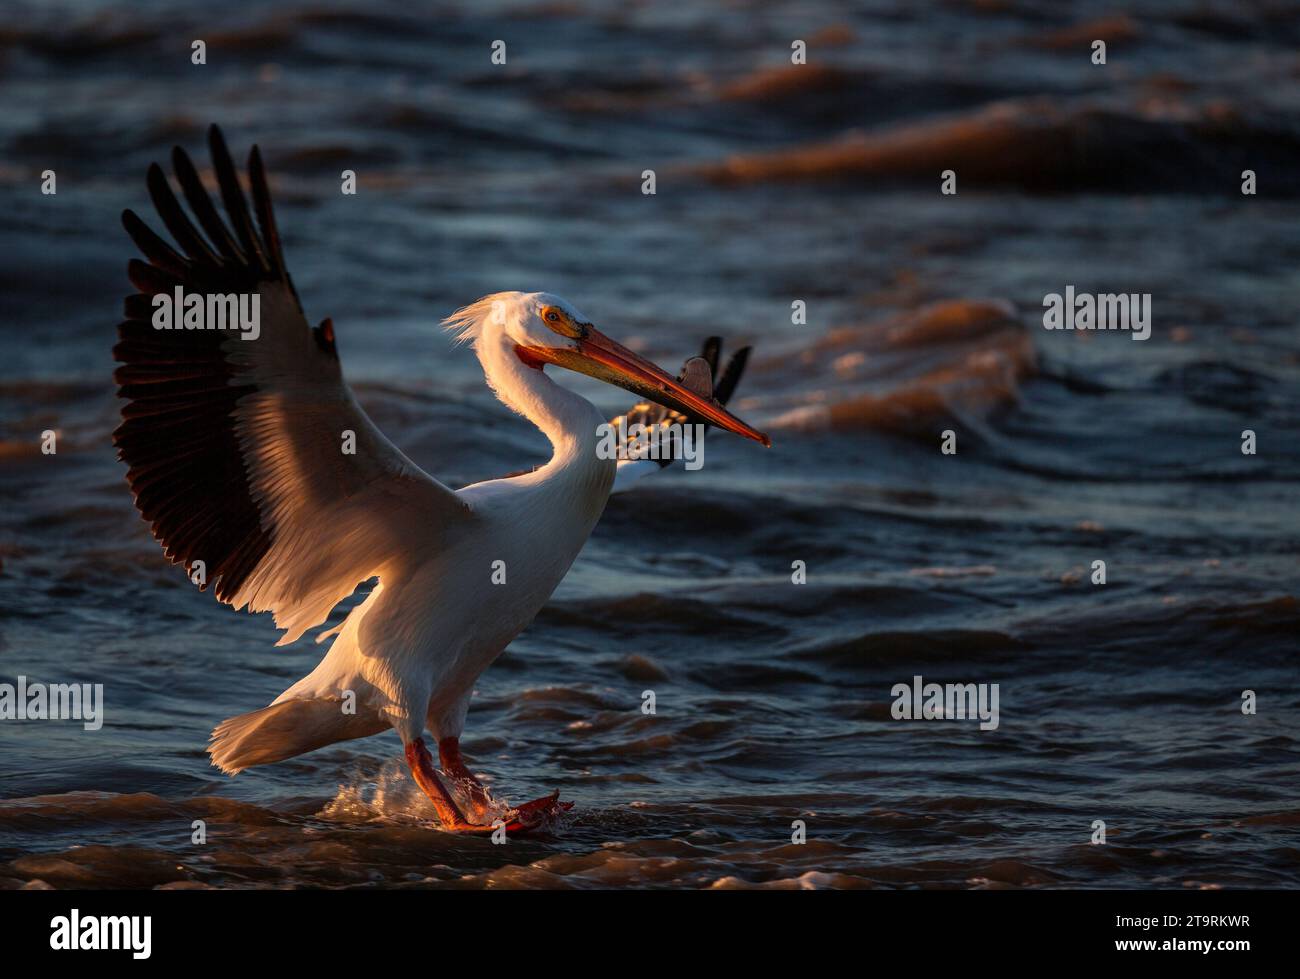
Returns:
<point x="775" y="183"/>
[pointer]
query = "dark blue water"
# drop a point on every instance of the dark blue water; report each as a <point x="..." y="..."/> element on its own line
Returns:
<point x="1118" y="702"/>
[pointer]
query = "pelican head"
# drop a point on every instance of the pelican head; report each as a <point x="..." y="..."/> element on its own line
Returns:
<point x="546" y="329"/>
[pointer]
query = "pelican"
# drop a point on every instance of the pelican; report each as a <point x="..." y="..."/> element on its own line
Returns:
<point x="234" y="442"/>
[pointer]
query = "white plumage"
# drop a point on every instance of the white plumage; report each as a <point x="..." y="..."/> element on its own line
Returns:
<point x="235" y="458"/>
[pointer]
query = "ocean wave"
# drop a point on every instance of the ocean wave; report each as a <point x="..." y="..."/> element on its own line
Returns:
<point x="1051" y="146"/>
<point x="944" y="360"/>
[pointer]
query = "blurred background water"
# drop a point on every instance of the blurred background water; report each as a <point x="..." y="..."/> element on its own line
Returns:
<point x="775" y="183"/>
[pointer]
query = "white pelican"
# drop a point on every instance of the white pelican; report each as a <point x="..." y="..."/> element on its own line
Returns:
<point x="234" y="449"/>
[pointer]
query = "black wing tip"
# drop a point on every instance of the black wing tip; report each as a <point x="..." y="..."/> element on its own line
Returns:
<point x="257" y="176"/>
<point x="218" y="149"/>
<point x="220" y="152"/>
<point x="711" y="351"/>
<point x="232" y="195"/>
<point x="222" y="162"/>
<point x="256" y="171"/>
<point x="735" y="368"/>
<point x="196" y="504"/>
<point x="235" y="240"/>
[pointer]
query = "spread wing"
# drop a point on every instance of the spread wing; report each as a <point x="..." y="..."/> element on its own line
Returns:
<point x="237" y="447"/>
<point x="700" y="374"/>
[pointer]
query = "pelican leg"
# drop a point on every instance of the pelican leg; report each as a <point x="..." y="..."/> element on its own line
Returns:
<point x="421" y="765"/>
<point x="529" y="814"/>
<point x="454" y="765"/>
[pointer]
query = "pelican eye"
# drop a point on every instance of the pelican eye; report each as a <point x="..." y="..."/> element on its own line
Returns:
<point x="558" y="320"/>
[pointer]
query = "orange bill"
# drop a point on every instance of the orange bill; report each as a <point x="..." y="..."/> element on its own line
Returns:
<point x="607" y="360"/>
